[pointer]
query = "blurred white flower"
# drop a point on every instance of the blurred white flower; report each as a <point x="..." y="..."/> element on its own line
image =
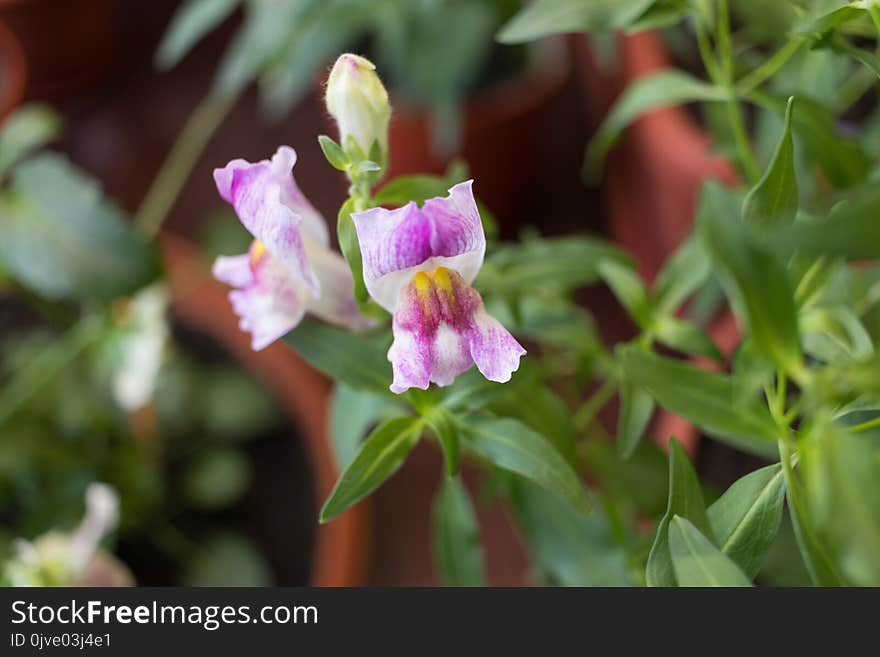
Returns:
<point x="141" y="346"/>
<point x="73" y="558"/>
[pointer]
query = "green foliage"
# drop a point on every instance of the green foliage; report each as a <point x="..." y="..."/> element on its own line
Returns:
<point x="63" y="240"/>
<point x="746" y="519"/>
<point x="545" y="17"/>
<point x="512" y="446"/>
<point x="685" y="501"/>
<point x="358" y="361"/>
<point x="28" y="129"/>
<point x="381" y="455"/>
<point x="697" y="561"/>
<point x="457" y="549"/>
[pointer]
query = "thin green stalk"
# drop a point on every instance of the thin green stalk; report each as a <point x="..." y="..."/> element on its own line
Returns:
<point x="706" y="53"/>
<point x="584" y="416"/>
<point x="853" y="88"/>
<point x="722" y="41"/>
<point x="874" y="11"/>
<point x="770" y="67"/>
<point x="39" y="372"/>
<point x="866" y="426"/>
<point x="744" y="150"/>
<point x="191" y="142"/>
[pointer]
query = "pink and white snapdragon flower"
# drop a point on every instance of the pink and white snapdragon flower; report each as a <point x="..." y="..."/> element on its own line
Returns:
<point x="290" y="268"/>
<point x="418" y="264"/>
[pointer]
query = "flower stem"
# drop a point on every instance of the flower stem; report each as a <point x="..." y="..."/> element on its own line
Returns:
<point x="584" y="415"/>
<point x="191" y="142"/>
<point x="746" y="157"/>
<point x="769" y="68"/>
<point x="866" y="426"/>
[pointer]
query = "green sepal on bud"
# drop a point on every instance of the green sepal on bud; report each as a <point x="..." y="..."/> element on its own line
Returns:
<point x="358" y="102"/>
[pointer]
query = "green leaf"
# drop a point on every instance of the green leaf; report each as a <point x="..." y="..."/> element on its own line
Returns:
<point x="513" y="446"/>
<point x="366" y="166"/>
<point x="685" y="337"/>
<point x="418" y="188"/>
<point x="756" y="281"/>
<point x="662" y="89"/>
<point x="817" y="24"/>
<point x="699" y="563"/>
<point x="62" y="239"/>
<point x="685" y="500"/>
<point x="457" y="549"/>
<point x="775" y="198"/>
<point x="352" y="413"/>
<point x="815" y="553"/>
<point x="379" y="457"/>
<point x="628" y="288"/>
<point x="25" y="131"/>
<point x="569" y="548"/>
<point x="636" y="408"/>
<point x="840" y="477"/>
<point x="357" y="360"/>
<point x="705" y="398"/>
<point x="528" y="398"/>
<point x="851" y="231"/>
<point x="191" y="22"/>
<point x="546" y="265"/>
<point x="334" y="153"/>
<point x="351" y="250"/>
<point x="442" y="424"/>
<point x="746" y="519"/>
<point x="842" y="159"/>
<point x="545" y="17"/>
<point x="685" y="271"/>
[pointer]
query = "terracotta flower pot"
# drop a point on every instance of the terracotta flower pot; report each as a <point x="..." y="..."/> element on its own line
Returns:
<point x="502" y="137"/>
<point x="652" y="178"/>
<point x="342" y="550"/>
<point x="651" y="182"/>
<point x="13" y="72"/>
<point x="68" y="45"/>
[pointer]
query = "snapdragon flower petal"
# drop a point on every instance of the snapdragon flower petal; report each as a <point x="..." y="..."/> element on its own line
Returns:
<point x="270" y="300"/>
<point x="274" y="210"/>
<point x="396" y="244"/>
<point x="441" y="328"/>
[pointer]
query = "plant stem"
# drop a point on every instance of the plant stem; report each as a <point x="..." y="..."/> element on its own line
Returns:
<point x="746" y="157"/>
<point x="747" y="160"/>
<point x="184" y="154"/>
<point x="584" y="416"/>
<point x="865" y="426"/>
<point x="769" y="68"/>
<point x="706" y="51"/>
<point x="40" y="371"/>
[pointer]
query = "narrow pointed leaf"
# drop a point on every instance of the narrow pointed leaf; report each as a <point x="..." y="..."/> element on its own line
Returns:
<point x="746" y="519"/>
<point x="697" y="561"/>
<point x="545" y="17"/>
<point x="775" y="198"/>
<point x="513" y="446"/>
<point x="756" y="281"/>
<point x="379" y="457"/>
<point x="636" y="408"/>
<point x="357" y="360"/>
<point x="457" y="549"/>
<point x="705" y="398"/>
<point x="686" y="500"/>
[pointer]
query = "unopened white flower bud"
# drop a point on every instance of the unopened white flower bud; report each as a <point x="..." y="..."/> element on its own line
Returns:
<point x="358" y="101"/>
